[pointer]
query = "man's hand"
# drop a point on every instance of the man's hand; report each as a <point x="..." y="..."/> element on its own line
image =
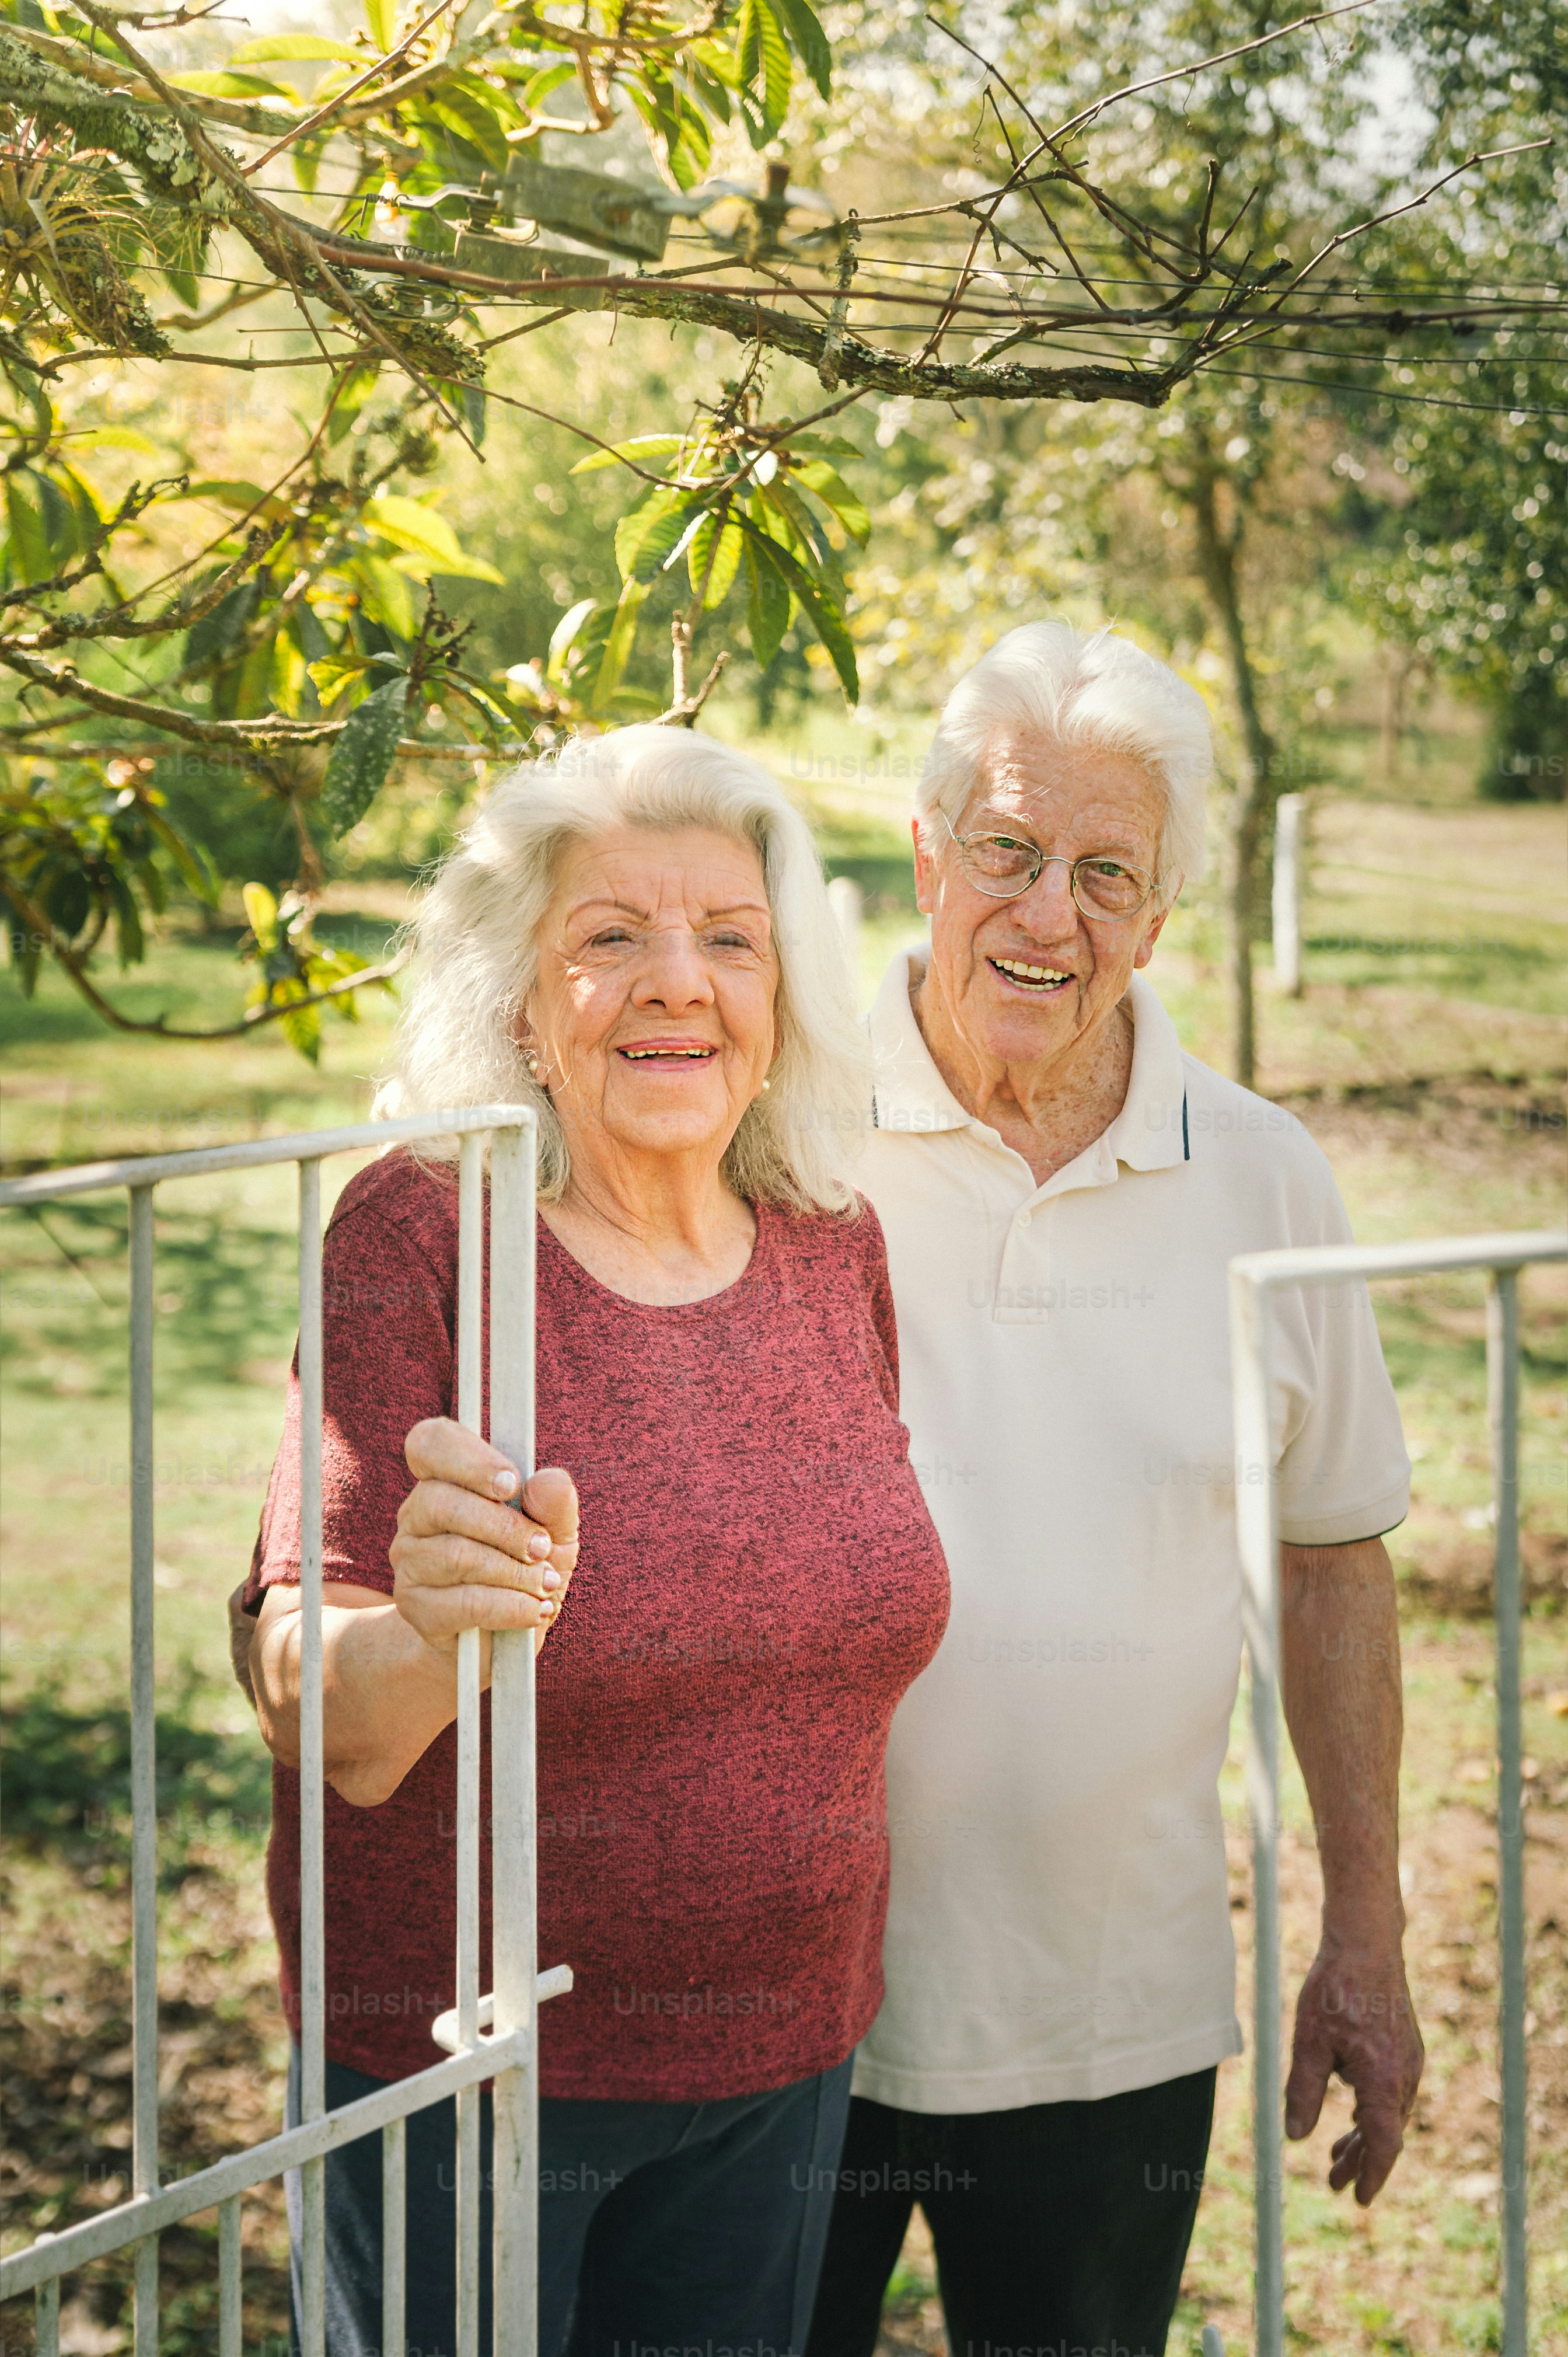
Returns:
<point x="1354" y="2018"/>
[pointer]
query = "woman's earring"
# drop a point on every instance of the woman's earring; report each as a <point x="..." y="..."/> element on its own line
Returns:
<point x="532" y="1060"/>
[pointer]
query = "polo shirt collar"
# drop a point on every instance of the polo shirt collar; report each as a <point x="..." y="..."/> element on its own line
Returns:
<point x="1150" y="1133"/>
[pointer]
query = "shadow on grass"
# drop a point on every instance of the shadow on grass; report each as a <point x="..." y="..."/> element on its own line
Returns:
<point x="68" y="1786"/>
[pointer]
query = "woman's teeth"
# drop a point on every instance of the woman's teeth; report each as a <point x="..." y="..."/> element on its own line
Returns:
<point x="641" y="1055"/>
<point x="1037" y="977"/>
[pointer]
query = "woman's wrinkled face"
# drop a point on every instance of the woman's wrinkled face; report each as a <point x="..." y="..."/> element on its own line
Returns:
<point x="653" y="1015"/>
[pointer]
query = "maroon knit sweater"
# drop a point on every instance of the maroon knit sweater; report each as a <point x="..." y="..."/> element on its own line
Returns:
<point x="758" y="1582"/>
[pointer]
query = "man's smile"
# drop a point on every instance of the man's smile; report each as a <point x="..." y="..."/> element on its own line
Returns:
<point x="1039" y="980"/>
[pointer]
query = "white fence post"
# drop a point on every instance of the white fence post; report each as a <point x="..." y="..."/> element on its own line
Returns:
<point x="848" y="903"/>
<point x="1290" y="848"/>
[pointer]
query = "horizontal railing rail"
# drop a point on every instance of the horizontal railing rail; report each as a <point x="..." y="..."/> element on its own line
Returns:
<point x="1254" y="1279"/>
<point x="507" y="2054"/>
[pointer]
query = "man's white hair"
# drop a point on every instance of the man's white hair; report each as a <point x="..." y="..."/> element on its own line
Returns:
<point x="1047" y="679"/>
<point x="477" y="954"/>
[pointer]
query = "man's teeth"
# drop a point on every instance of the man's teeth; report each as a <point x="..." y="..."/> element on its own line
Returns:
<point x="1018" y="971"/>
<point x="640" y="1055"/>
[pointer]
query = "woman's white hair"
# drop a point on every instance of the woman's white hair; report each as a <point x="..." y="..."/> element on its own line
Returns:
<point x="1047" y="679"/>
<point x="478" y="955"/>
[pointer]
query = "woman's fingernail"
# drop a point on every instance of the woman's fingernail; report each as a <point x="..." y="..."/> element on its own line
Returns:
<point x="550" y="1580"/>
<point x="505" y="1482"/>
<point x="538" y="1546"/>
<point x="546" y="1607"/>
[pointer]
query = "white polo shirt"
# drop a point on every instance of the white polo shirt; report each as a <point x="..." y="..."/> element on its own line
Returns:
<point x="1059" y="1924"/>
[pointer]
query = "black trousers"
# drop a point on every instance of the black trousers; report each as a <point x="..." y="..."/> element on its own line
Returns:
<point x="691" y="2226"/>
<point x="1059" y="2228"/>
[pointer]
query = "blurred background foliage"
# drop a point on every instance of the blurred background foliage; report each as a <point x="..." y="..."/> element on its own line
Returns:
<point x="1332" y="538"/>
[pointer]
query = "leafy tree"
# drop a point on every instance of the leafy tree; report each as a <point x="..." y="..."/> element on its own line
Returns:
<point x="1462" y="556"/>
<point x="1215" y="523"/>
<point x="270" y="639"/>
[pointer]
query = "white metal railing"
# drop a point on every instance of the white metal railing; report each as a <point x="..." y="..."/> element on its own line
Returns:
<point x="486" y="2038"/>
<point x="1253" y="1277"/>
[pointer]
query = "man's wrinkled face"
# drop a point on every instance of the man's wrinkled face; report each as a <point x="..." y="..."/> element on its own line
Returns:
<point x="1022" y="980"/>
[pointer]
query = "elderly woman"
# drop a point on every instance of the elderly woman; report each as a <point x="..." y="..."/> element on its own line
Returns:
<point x="1062" y="1188"/>
<point x="635" y="939"/>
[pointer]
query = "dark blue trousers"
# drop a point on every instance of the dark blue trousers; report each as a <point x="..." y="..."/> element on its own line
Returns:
<point x="690" y="2224"/>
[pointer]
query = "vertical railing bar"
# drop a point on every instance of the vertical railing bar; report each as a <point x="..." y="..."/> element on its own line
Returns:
<point x="230" y="2285"/>
<point x="470" y="1296"/>
<point x="513" y="1831"/>
<point x="1502" y="1388"/>
<point x="144" y="1770"/>
<point x="312" y="1875"/>
<point x="394" y="2237"/>
<point x="1257" y="1524"/>
<point x="144" y="2297"/>
<point x="46" y="2313"/>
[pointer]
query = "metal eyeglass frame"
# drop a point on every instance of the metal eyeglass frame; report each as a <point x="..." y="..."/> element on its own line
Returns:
<point x="1044" y="859"/>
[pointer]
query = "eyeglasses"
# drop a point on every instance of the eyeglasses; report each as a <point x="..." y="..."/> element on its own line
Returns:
<point x="1004" y="865"/>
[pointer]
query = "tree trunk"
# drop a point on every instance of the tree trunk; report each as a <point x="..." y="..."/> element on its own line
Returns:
<point x="1257" y="786"/>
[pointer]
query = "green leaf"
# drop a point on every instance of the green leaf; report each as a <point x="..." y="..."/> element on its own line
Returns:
<point x="802" y="532"/>
<point x="234" y="85"/>
<point x="835" y="493"/>
<point x="385" y="595"/>
<point x="748" y="42"/>
<point x="618" y="646"/>
<point x="262" y="915"/>
<point x="768" y="611"/>
<point x="306" y="156"/>
<point x="28" y="550"/>
<point x="128" y="937"/>
<point x="776" y="73"/>
<point x="331" y="675"/>
<point x="565" y="637"/>
<point x="461" y="111"/>
<point x="113" y="437"/>
<point x="826" y="615"/>
<point x="295" y="45"/>
<point x="381" y="15"/>
<point x="639" y="521"/>
<point x="214" y="638"/>
<point x="810" y="41"/>
<point x="653" y="535"/>
<point x="641" y="446"/>
<point x="242" y="497"/>
<point x="407" y="523"/>
<point x="471" y="402"/>
<point x="539" y="86"/>
<point x="713" y="581"/>
<point x="302" y="1032"/>
<point x="362" y="756"/>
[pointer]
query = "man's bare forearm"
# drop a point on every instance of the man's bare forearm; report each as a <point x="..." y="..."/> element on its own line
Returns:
<point x="1340" y="1662"/>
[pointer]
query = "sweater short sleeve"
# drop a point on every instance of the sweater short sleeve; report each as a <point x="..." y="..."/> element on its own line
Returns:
<point x="387" y="1351"/>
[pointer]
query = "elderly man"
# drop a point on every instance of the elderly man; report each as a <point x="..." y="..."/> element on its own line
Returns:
<point x="1061" y="1189"/>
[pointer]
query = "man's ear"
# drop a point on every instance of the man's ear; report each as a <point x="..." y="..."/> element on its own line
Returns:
<point x="1145" y="949"/>
<point x="925" y="872"/>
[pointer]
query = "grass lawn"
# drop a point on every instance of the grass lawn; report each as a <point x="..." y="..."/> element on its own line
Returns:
<point x="1427" y="1056"/>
